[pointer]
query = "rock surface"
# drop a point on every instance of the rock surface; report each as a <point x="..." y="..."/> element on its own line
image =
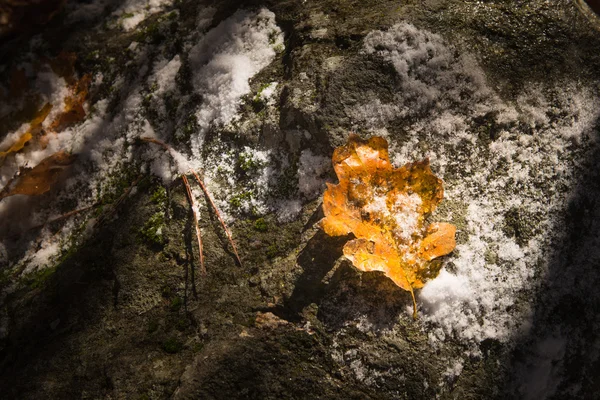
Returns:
<point x="501" y="95"/>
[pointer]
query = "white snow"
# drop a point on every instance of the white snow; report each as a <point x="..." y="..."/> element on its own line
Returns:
<point x="406" y="212"/>
<point x="453" y="371"/>
<point x="268" y="93"/>
<point x="310" y="173"/>
<point x="223" y="62"/>
<point x="164" y="75"/>
<point x="132" y="12"/>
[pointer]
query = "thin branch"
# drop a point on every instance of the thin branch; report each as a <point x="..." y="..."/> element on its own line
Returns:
<point x="156" y="141"/>
<point x="170" y="150"/>
<point x="198" y="234"/>
<point x="212" y="203"/>
<point x="117" y="203"/>
<point x="64" y="216"/>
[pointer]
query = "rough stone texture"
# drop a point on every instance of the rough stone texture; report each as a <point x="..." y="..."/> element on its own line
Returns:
<point x="127" y="314"/>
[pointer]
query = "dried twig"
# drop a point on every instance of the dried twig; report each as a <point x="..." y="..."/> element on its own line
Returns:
<point x="118" y="202"/>
<point x="212" y="203"/>
<point x="198" y="234"/>
<point x="169" y="149"/>
<point x="156" y="141"/>
<point x="64" y="216"/>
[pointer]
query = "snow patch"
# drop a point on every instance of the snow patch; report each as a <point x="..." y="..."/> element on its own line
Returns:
<point x="223" y="62"/>
<point x="164" y="75"/>
<point x="311" y="173"/>
<point x="132" y="12"/>
<point x="443" y="97"/>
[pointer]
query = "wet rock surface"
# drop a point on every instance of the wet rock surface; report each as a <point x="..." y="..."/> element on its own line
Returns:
<point x="124" y="310"/>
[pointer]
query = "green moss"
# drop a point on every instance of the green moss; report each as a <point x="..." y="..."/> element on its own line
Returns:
<point x="37" y="278"/>
<point x="490" y="256"/>
<point x="116" y="184"/>
<point x="159" y="196"/>
<point x="198" y="347"/>
<point x="93" y="56"/>
<point x="166" y="291"/>
<point x="152" y="231"/>
<point x="520" y="225"/>
<point x="273" y="37"/>
<point x="150" y="33"/>
<point x="238" y="199"/>
<point x="181" y="324"/>
<point x="172" y="345"/>
<point x="72" y="249"/>
<point x="127" y="15"/>
<point x="176" y="303"/>
<point x="173" y="15"/>
<point x="261" y="225"/>
<point x="258" y="103"/>
<point x="189" y="127"/>
<point x="4" y="277"/>
<point x="287" y="185"/>
<point x="147" y="102"/>
<point x="171" y="104"/>
<point x="248" y="163"/>
<point x="272" y="251"/>
<point x="455" y="213"/>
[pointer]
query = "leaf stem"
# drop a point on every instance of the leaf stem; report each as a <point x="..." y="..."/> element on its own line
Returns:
<point x="412" y="293"/>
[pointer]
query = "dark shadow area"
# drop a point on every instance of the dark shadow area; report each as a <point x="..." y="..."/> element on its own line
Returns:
<point x="347" y="294"/>
<point x="80" y="328"/>
<point x="352" y="295"/>
<point x="559" y="357"/>
<point x="219" y="230"/>
<point x="188" y="262"/>
<point x="524" y="42"/>
<point x="46" y="314"/>
<point x="314" y="218"/>
<point x="286" y="364"/>
<point x="316" y="260"/>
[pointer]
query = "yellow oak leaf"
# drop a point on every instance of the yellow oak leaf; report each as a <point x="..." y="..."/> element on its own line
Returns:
<point x="385" y="208"/>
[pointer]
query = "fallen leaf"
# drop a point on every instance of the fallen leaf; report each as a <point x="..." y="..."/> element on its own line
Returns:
<point x="39" y="179"/>
<point x="73" y="111"/>
<point x="268" y="320"/>
<point x="18" y="145"/>
<point x="385" y="208"/>
<point x="35" y="127"/>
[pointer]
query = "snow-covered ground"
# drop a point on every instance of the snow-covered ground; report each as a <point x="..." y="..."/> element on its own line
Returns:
<point x="528" y="169"/>
<point x="509" y="166"/>
<point x="223" y="60"/>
